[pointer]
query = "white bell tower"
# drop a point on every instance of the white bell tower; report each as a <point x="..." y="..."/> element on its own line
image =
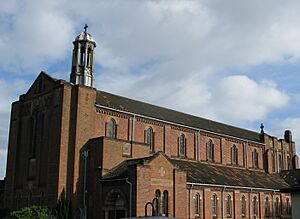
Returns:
<point x="82" y="71"/>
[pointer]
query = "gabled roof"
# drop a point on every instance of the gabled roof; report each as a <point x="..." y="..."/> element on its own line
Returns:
<point x="120" y="171"/>
<point x="42" y="83"/>
<point x="209" y="174"/>
<point x="229" y="176"/>
<point x="149" y="110"/>
<point x="292" y="177"/>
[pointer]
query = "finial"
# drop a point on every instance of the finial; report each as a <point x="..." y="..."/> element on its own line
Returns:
<point x="262" y="128"/>
<point x="85" y="27"/>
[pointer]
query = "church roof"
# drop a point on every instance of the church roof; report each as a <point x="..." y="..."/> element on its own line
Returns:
<point x="120" y="171"/>
<point x="85" y="36"/>
<point x="204" y="173"/>
<point x="161" y="113"/>
<point x="292" y="177"/>
<point x="209" y="174"/>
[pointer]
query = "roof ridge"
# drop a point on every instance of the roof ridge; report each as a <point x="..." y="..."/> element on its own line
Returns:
<point x="153" y="109"/>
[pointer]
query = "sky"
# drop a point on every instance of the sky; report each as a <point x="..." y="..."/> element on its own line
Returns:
<point x="232" y="61"/>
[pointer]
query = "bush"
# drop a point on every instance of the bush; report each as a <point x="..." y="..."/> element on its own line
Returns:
<point x="33" y="212"/>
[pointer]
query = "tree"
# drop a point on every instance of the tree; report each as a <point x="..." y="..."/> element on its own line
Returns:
<point x="62" y="210"/>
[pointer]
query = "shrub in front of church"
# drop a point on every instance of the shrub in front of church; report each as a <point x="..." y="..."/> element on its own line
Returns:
<point x="33" y="212"/>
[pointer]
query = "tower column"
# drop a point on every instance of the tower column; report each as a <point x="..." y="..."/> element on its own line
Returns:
<point x="82" y="71"/>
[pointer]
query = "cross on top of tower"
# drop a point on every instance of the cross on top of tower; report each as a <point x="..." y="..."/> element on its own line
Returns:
<point x="85" y="27"/>
<point x="262" y="128"/>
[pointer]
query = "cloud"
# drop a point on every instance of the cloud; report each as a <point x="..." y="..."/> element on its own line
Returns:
<point x="187" y="34"/>
<point x="33" y="34"/>
<point x="9" y="91"/>
<point x="239" y="98"/>
<point x="186" y="55"/>
<point x="3" y="157"/>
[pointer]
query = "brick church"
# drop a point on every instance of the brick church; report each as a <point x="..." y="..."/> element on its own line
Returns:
<point x="117" y="157"/>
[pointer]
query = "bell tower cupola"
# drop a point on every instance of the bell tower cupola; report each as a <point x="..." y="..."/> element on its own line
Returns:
<point x="82" y="71"/>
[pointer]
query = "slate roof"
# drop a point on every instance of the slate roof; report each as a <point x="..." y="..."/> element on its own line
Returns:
<point x="120" y="171"/>
<point x="149" y="110"/>
<point x="210" y="174"/>
<point x="222" y="175"/>
<point x="292" y="177"/>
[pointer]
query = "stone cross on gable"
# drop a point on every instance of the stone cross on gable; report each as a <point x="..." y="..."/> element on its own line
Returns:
<point x="162" y="171"/>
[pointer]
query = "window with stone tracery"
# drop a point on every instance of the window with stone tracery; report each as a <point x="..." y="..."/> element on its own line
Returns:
<point x="150" y="138"/>
<point x="255" y="158"/>
<point x="228" y="206"/>
<point x="267" y="207"/>
<point x="182" y="145"/>
<point x="197" y="204"/>
<point x="165" y="203"/>
<point x="243" y="206"/>
<point x="157" y="203"/>
<point x="277" y="207"/>
<point x="234" y="155"/>
<point x="210" y="150"/>
<point x="288" y="206"/>
<point x="255" y="209"/>
<point x="214" y="206"/>
<point x="111" y="129"/>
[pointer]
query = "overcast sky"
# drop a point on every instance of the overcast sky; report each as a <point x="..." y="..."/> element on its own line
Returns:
<point x="232" y="61"/>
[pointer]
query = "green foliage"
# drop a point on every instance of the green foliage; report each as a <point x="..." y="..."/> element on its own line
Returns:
<point x="33" y="212"/>
<point x="62" y="210"/>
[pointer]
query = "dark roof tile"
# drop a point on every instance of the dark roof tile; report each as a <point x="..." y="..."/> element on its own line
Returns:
<point x="222" y="175"/>
<point x="145" y="109"/>
<point x="292" y="177"/>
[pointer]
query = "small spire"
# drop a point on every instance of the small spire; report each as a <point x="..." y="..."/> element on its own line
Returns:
<point x="85" y="27"/>
<point x="262" y="128"/>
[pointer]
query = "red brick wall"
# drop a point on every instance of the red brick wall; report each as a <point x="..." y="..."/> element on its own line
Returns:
<point x="204" y="138"/>
<point x="159" y="174"/>
<point x="227" y="145"/>
<point x="236" y="197"/>
<point x="141" y="125"/>
<point x="166" y="139"/>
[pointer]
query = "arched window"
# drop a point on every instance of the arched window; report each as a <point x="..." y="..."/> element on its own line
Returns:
<point x="255" y="206"/>
<point x="215" y="206"/>
<point x="197" y="204"/>
<point x="116" y="200"/>
<point x="182" y="145"/>
<point x="243" y="206"/>
<point x="150" y="138"/>
<point x="89" y="57"/>
<point x="288" y="206"/>
<point x="82" y="55"/>
<point x="273" y="162"/>
<point x="255" y="158"/>
<point x="277" y="207"/>
<point x="294" y="161"/>
<point x="228" y="206"/>
<point x="288" y="162"/>
<point x="234" y="155"/>
<point x="111" y="129"/>
<point x="165" y="203"/>
<point x="267" y="207"/>
<point x="210" y="150"/>
<point x="157" y="203"/>
<point x="280" y="162"/>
